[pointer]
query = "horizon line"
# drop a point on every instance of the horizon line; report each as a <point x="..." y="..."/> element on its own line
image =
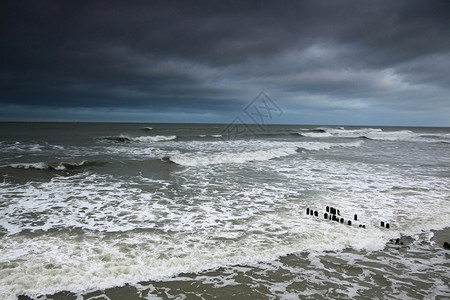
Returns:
<point x="223" y="123"/>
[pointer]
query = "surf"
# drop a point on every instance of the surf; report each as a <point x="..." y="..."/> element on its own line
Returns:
<point x="144" y="139"/>
<point x="53" y="166"/>
<point x="230" y="158"/>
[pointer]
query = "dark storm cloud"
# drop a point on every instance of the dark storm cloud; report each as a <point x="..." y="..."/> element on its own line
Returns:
<point x="215" y="56"/>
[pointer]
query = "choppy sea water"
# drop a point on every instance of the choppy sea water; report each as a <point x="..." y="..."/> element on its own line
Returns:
<point x="150" y="211"/>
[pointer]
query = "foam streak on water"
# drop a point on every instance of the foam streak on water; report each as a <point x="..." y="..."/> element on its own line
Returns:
<point x="180" y="211"/>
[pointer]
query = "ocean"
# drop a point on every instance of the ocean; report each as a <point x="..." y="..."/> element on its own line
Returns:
<point x="211" y="211"/>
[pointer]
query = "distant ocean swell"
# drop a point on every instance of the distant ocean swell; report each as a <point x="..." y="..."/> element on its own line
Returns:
<point x="321" y="132"/>
<point x="198" y="160"/>
<point x="374" y="134"/>
<point x="217" y="157"/>
<point x="259" y="155"/>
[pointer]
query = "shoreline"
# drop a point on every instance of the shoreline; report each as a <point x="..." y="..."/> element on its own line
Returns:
<point x="129" y="290"/>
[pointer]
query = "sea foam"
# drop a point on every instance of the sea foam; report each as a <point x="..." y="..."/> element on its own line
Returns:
<point x="56" y="166"/>
<point x="226" y="158"/>
<point x="155" y="138"/>
<point x="369" y="133"/>
<point x="94" y="230"/>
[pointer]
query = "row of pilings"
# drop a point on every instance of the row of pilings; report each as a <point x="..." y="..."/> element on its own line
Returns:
<point x="333" y="214"/>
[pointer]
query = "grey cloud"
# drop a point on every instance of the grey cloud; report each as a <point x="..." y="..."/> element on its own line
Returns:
<point x="210" y="56"/>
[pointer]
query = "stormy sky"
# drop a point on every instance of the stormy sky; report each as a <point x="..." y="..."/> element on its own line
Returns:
<point x="320" y="62"/>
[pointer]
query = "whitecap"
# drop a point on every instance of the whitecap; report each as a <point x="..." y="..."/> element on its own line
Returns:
<point x="156" y="138"/>
<point x="226" y="158"/>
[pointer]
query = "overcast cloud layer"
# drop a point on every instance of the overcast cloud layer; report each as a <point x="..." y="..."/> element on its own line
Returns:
<point x="321" y="62"/>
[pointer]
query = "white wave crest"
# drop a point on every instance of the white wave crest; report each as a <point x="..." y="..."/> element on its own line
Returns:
<point x="226" y="158"/>
<point x="20" y="147"/>
<point x="155" y="138"/>
<point x="375" y="134"/>
<point x="316" y="134"/>
<point x="369" y="133"/>
<point x="212" y="135"/>
<point x="58" y="166"/>
<point x="38" y="165"/>
<point x="316" y="146"/>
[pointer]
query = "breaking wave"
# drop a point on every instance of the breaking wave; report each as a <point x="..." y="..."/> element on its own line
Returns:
<point x="317" y="146"/>
<point x="376" y="134"/>
<point x="316" y="134"/>
<point x="212" y="135"/>
<point x="258" y="155"/>
<point x="20" y="147"/>
<point x="226" y="158"/>
<point x="126" y="139"/>
<point x="54" y="166"/>
<point x="156" y="138"/>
